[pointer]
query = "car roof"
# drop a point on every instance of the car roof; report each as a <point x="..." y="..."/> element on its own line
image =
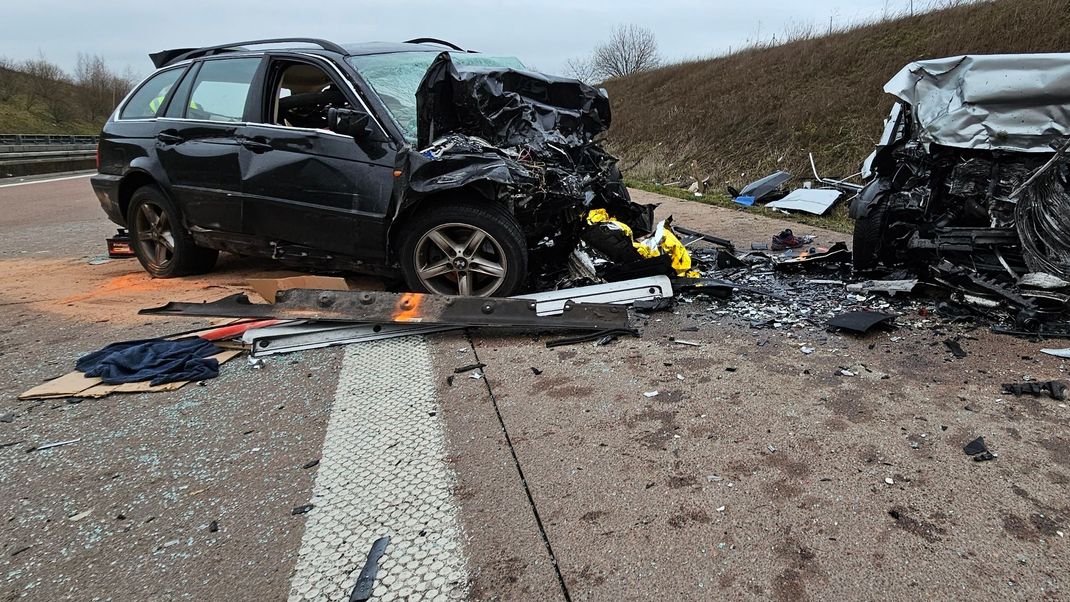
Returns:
<point x="168" y="57"/>
<point x="365" y="48"/>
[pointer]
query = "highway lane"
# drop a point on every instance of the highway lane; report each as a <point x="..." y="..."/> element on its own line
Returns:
<point x="757" y="472"/>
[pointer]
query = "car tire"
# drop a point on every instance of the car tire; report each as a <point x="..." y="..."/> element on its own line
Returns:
<point x="160" y="240"/>
<point x="466" y="249"/>
<point x="868" y="239"/>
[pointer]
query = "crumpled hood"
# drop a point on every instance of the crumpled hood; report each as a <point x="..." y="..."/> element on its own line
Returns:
<point x="1013" y="102"/>
<point x="507" y="107"/>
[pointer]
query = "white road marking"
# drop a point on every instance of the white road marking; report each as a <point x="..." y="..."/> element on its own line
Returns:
<point x="383" y="472"/>
<point x="86" y="175"/>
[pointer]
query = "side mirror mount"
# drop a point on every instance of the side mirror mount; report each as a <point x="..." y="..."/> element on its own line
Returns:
<point x="348" y="122"/>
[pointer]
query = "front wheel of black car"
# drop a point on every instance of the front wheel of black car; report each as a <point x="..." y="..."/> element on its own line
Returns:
<point x="466" y="249"/>
<point x="160" y="241"/>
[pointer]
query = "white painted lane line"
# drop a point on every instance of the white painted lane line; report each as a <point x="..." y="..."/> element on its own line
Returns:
<point x="383" y="472"/>
<point x="46" y="181"/>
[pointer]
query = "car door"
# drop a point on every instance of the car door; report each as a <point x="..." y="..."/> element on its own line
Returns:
<point x="304" y="184"/>
<point x="198" y="144"/>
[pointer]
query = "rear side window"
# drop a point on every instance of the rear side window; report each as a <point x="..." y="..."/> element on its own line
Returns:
<point x="150" y="96"/>
<point x="221" y="89"/>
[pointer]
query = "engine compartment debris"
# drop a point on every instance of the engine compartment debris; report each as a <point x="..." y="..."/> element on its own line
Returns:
<point x="968" y="187"/>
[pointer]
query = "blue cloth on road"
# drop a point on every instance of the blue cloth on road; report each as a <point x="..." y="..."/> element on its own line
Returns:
<point x="155" y="360"/>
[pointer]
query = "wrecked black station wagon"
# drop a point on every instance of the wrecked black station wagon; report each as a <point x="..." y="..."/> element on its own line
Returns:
<point x="463" y="172"/>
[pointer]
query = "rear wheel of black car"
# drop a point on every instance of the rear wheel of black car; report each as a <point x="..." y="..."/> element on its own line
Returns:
<point x="466" y="249"/>
<point x="160" y="241"/>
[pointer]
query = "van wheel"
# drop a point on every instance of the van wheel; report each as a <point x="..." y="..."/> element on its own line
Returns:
<point x="869" y="235"/>
<point x="464" y="249"/>
<point x="160" y="241"/>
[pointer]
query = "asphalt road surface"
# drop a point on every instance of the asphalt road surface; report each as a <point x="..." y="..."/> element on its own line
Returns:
<point x="758" y="471"/>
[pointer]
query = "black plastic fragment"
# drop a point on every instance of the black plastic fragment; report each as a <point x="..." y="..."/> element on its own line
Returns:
<point x="837" y="253"/>
<point x="1053" y="388"/>
<point x="362" y="590"/>
<point x="953" y="312"/>
<point x="310" y="464"/>
<point x="978" y="450"/>
<point x="535" y="371"/>
<point x="955" y="349"/>
<point x="716" y="240"/>
<point x="728" y="261"/>
<point x="590" y="338"/>
<point x="642" y="268"/>
<point x="302" y="509"/>
<point x="861" y="322"/>
<point x="651" y="305"/>
<point x="721" y="289"/>
<point x="469" y="368"/>
<point x="213" y="527"/>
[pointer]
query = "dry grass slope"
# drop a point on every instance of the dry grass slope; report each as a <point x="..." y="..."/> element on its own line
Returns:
<point x="763" y="109"/>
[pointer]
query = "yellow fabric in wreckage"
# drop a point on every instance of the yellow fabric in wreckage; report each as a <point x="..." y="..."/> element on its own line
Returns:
<point x="661" y="241"/>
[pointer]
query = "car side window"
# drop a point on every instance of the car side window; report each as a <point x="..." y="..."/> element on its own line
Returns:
<point x="302" y="94"/>
<point x="148" y="99"/>
<point x="180" y="98"/>
<point x="221" y="89"/>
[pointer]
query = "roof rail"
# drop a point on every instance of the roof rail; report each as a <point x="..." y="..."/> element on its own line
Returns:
<point x="436" y="41"/>
<point x="166" y="57"/>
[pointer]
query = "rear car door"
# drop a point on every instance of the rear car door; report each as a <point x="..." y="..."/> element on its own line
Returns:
<point x="304" y="184"/>
<point x="198" y="144"/>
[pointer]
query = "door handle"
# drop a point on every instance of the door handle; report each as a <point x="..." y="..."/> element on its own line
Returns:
<point x="167" y="138"/>
<point x="256" y="145"/>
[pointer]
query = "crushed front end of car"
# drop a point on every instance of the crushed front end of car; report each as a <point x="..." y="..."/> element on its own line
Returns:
<point x="967" y="187"/>
<point x="522" y="138"/>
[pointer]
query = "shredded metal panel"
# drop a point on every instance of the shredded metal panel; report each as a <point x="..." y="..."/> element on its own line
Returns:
<point x="1013" y="102"/>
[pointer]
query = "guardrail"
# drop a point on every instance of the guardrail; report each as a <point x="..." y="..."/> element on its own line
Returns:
<point x="24" y="155"/>
<point x="28" y="139"/>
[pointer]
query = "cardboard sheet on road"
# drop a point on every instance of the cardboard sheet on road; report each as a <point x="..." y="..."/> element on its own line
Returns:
<point x="77" y="384"/>
<point x="267" y="287"/>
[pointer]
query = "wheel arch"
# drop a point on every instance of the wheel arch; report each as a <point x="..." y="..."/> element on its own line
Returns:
<point x="132" y="181"/>
<point x="480" y="191"/>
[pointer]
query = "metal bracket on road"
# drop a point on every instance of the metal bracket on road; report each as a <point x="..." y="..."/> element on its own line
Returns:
<point x="273" y="340"/>
<point x="553" y="303"/>
<point x="404" y="308"/>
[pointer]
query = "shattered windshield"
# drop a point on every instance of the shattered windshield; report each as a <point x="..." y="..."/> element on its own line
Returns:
<point x="396" y="77"/>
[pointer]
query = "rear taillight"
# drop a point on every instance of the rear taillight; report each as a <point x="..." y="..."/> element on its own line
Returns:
<point x="98" y="155"/>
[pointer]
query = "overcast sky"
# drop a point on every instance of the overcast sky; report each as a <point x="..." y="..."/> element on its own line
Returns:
<point x="542" y="33"/>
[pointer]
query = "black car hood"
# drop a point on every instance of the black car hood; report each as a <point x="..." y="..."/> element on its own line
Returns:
<point x="507" y="107"/>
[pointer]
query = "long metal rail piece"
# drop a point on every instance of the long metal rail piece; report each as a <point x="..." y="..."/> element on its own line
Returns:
<point x="404" y="308"/>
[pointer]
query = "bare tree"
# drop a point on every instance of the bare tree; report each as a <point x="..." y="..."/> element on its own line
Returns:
<point x="629" y="50"/>
<point x="99" y="89"/>
<point x="41" y="79"/>
<point x="582" y="69"/>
